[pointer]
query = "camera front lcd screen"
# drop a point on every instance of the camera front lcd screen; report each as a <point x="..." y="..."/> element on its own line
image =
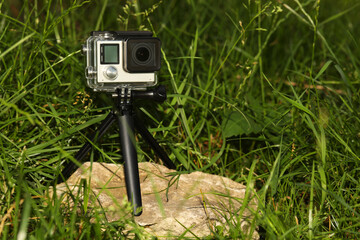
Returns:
<point x="109" y="53"/>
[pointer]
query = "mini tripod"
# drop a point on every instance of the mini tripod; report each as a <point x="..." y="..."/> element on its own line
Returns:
<point x="127" y="121"/>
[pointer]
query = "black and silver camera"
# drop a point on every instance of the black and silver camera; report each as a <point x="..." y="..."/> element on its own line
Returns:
<point x="116" y="59"/>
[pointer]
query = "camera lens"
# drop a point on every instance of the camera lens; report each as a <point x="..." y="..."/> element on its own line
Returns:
<point x="142" y="54"/>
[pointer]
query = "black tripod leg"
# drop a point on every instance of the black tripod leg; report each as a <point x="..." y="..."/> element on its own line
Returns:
<point x="154" y="144"/>
<point x="131" y="169"/>
<point x="71" y="166"/>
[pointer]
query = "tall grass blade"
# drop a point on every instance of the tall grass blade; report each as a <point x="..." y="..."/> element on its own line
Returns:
<point x="21" y="41"/>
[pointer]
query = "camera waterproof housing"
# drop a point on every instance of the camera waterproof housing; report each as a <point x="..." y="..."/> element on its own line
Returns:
<point x="116" y="59"/>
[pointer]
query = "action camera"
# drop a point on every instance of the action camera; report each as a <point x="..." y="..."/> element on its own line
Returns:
<point x="116" y="59"/>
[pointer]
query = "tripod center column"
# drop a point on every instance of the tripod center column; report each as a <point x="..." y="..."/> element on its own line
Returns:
<point x="128" y="147"/>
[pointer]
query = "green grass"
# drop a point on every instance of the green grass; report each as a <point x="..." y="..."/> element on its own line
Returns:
<point x="263" y="92"/>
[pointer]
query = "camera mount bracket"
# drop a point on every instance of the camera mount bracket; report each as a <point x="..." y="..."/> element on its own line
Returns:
<point x="127" y="122"/>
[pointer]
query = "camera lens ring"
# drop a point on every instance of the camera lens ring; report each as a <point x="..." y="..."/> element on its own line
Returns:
<point x="142" y="54"/>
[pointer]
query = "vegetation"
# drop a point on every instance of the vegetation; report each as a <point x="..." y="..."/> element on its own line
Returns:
<point x="263" y="92"/>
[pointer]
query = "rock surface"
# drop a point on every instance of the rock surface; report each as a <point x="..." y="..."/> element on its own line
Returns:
<point x="173" y="204"/>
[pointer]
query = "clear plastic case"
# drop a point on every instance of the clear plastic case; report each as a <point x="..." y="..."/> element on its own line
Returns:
<point x="108" y="77"/>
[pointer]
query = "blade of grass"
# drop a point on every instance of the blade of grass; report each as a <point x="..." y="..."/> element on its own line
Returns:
<point x="101" y="15"/>
<point x="323" y="69"/>
<point x="311" y="205"/>
<point x="24" y="219"/>
<point x="21" y="41"/>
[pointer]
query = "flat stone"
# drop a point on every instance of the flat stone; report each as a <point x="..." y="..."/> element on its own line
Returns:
<point x="173" y="203"/>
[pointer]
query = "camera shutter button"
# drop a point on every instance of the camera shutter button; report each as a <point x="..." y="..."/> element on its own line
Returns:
<point x="110" y="72"/>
